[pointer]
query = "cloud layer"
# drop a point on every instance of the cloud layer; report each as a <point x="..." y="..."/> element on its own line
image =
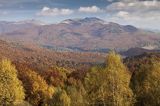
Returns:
<point x="46" y="11"/>
<point x="92" y="9"/>
<point x="144" y="14"/>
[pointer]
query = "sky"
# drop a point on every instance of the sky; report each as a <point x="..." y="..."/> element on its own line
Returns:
<point x="140" y="13"/>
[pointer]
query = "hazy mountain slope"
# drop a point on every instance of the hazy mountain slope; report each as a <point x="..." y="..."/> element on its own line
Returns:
<point x="137" y="51"/>
<point x="86" y="34"/>
<point x="42" y="58"/>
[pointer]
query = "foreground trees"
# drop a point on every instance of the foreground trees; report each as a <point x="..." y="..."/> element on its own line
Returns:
<point x="60" y="98"/>
<point x="76" y="92"/>
<point x="146" y="84"/>
<point x="109" y="86"/>
<point x="11" y="89"/>
<point x="69" y="91"/>
<point x="56" y="76"/>
<point x="38" y="92"/>
<point x="118" y="81"/>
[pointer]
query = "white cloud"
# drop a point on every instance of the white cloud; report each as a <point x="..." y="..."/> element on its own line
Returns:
<point x="150" y="3"/>
<point x="123" y="14"/>
<point x="92" y="9"/>
<point x="145" y="14"/>
<point x="149" y="20"/>
<point x="46" y="11"/>
<point x="134" y="6"/>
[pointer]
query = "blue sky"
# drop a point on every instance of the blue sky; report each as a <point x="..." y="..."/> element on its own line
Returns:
<point x="141" y="13"/>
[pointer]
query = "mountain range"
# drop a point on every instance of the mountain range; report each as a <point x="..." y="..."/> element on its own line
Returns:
<point x="88" y="34"/>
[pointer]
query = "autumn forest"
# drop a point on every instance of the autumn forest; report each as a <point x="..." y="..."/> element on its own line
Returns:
<point x="79" y="52"/>
<point x="133" y="81"/>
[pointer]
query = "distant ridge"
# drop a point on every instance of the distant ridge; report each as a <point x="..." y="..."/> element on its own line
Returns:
<point x="87" y="34"/>
<point x="86" y="20"/>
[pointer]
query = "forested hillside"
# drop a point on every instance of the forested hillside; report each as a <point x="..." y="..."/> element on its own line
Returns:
<point x="133" y="81"/>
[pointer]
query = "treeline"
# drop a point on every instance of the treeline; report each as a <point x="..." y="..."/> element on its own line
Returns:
<point x="111" y="84"/>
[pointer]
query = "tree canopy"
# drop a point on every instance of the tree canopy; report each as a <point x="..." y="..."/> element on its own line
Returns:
<point x="109" y="85"/>
<point x="11" y="89"/>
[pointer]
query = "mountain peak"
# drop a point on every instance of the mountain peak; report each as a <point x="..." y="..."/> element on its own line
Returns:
<point x="87" y="20"/>
<point x="93" y="19"/>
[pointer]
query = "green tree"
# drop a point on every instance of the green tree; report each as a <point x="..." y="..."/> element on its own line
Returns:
<point x="11" y="89"/>
<point x="145" y="83"/>
<point x="109" y="85"/>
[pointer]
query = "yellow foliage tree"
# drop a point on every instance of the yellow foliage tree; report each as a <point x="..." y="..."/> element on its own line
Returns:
<point x="146" y="84"/>
<point x="38" y="92"/>
<point x="109" y="85"/>
<point x="61" y="98"/>
<point x="76" y="92"/>
<point x="11" y="89"/>
<point x="118" y="80"/>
